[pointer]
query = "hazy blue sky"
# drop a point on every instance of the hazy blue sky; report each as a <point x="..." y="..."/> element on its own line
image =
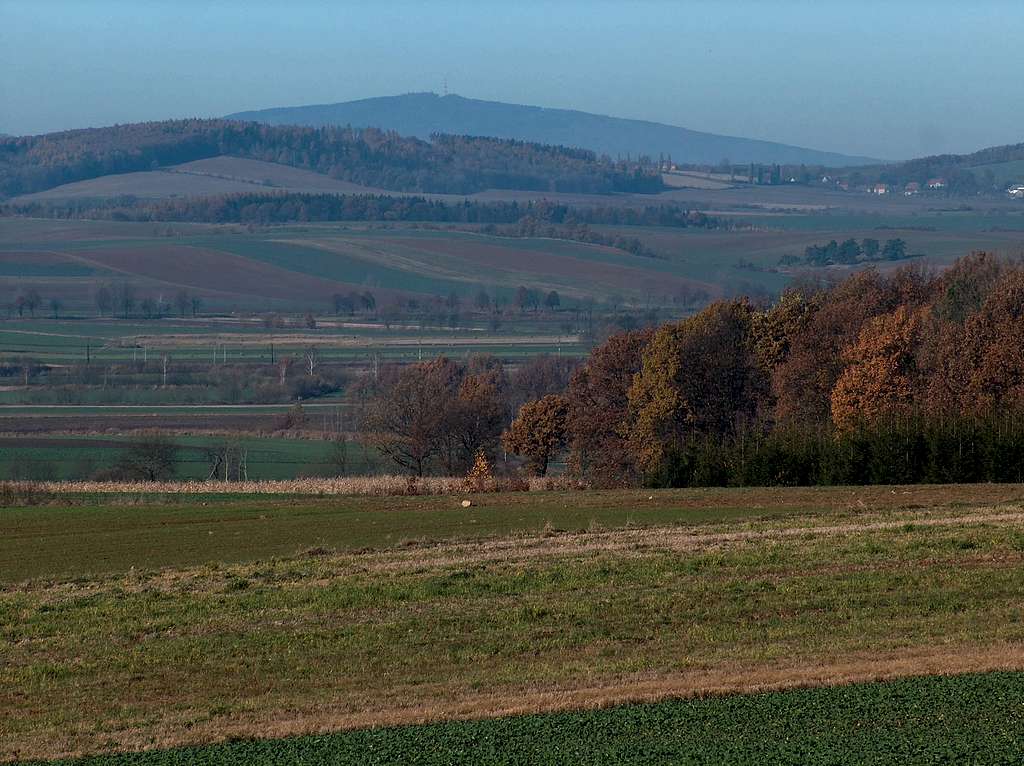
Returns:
<point x="889" y="79"/>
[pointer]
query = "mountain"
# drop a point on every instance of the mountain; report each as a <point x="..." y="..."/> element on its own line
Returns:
<point x="422" y="114"/>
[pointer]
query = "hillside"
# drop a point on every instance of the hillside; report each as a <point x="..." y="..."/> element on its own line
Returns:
<point x="209" y="177"/>
<point x="985" y="171"/>
<point x="423" y="114"/>
<point x="367" y="157"/>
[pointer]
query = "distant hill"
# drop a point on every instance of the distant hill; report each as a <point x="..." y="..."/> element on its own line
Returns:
<point x="367" y="157"/>
<point x="423" y="114"/>
<point x="985" y="171"/>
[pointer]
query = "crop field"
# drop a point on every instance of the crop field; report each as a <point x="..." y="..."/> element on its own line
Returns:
<point x="918" y="720"/>
<point x="69" y="341"/>
<point x="718" y="257"/>
<point x="62" y="456"/>
<point x="114" y="419"/>
<point x="298" y="267"/>
<point x="139" y="622"/>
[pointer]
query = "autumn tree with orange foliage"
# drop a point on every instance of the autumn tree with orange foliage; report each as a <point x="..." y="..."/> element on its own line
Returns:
<point x="989" y="359"/>
<point x="882" y="377"/>
<point x="802" y="381"/>
<point x="538" y="432"/>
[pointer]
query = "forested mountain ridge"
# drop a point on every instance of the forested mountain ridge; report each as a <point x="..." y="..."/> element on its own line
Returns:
<point x="423" y="114"/>
<point x="370" y="157"/>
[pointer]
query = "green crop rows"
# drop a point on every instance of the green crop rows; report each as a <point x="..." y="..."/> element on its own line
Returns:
<point x="976" y="719"/>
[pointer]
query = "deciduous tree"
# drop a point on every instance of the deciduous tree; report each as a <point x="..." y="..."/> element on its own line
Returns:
<point x="882" y="377"/>
<point x="538" y="432"/>
<point x="700" y="376"/>
<point x="598" y="399"/>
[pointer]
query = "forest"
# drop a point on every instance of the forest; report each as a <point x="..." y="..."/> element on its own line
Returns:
<point x="371" y="157"/>
<point x="878" y="378"/>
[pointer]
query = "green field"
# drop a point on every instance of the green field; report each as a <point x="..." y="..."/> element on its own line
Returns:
<point x="139" y="622"/>
<point x="72" y="341"/>
<point x="103" y="535"/>
<point x="909" y="721"/>
<point x="55" y="457"/>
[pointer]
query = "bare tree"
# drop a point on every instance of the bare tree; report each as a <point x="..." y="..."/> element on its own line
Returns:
<point x="32" y="301"/>
<point x="104" y="300"/>
<point x="150" y="459"/>
<point x="283" y="365"/>
<point x="406" y="421"/>
<point x="182" y="301"/>
<point x="124" y="298"/>
<point x="312" y="358"/>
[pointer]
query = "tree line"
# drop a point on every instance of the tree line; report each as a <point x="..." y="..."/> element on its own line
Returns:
<point x="267" y="208"/>
<point x="908" y="376"/>
<point x="849" y="252"/>
<point x="368" y="156"/>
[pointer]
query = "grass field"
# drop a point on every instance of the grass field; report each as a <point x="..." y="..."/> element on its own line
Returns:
<point x="161" y="623"/>
<point x="62" y="456"/>
<point x="927" y="720"/>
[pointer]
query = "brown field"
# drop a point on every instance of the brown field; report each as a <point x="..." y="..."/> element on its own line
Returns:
<point x="430" y="344"/>
<point x="213" y="271"/>
<point x="524" y="264"/>
<point x="36" y="258"/>
<point x="148" y="420"/>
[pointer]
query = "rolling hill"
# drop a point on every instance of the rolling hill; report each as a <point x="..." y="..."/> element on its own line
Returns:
<point x="963" y="174"/>
<point x="423" y="114"/>
<point x="368" y="157"/>
<point x="200" y="178"/>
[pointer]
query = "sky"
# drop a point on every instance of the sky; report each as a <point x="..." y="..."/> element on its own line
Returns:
<point x="885" y="79"/>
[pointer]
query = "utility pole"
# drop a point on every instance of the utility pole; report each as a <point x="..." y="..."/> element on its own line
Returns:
<point x="165" y="370"/>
